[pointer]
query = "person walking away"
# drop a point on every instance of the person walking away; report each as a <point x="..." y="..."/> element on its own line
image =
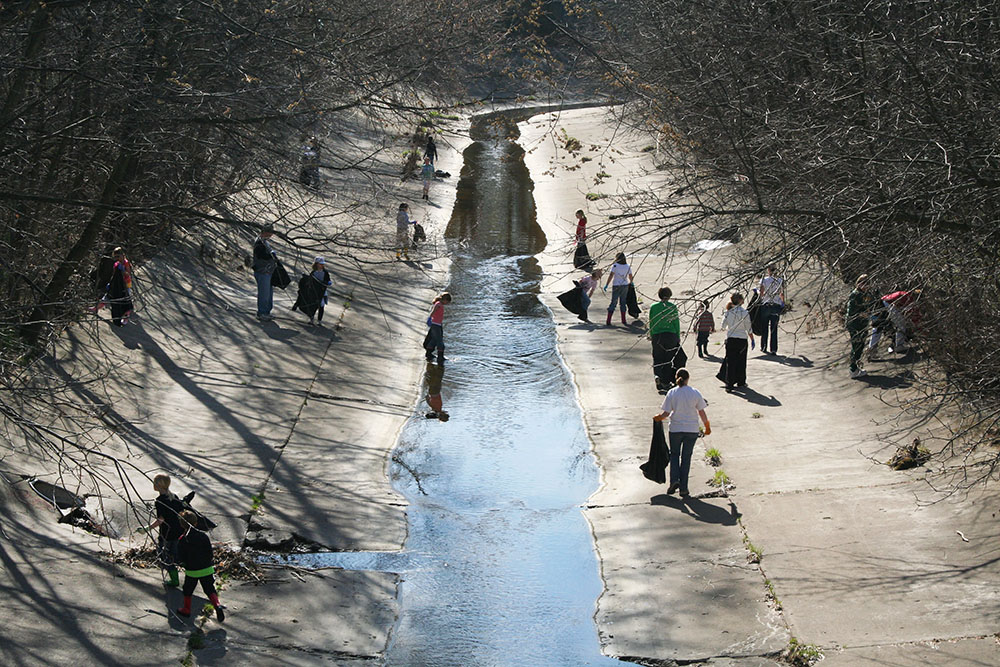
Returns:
<point x="431" y="151"/>
<point x="168" y="519"/>
<point x="619" y="277"/>
<point x="736" y="323"/>
<point x="772" y="303"/>
<point x="119" y="294"/>
<point x="704" y="326"/>
<point x="587" y="286"/>
<point x="665" y="335"/>
<point x="435" y="328"/>
<point x="265" y="260"/>
<point x="427" y="176"/>
<point x="194" y="551"/>
<point x="312" y="292"/>
<point x="859" y="309"/>
<point x="684" y="406"/>
<point x="581" y="227"/>
<point x="403" y="223"/>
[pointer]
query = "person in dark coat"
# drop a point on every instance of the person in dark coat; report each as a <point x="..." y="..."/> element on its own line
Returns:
<point x="431" y="150"/>
<point x="120" y="288"/>
<point x="168" y="520"/>
<point x="265" y="260"/>
<point x="860" y="305"/>
<point x="312" y="300"/>
<point x="194" y="551"/>
<point x="665" y="335"/>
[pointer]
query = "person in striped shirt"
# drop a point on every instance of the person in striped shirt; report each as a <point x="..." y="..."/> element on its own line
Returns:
<point x="704" y="324"/>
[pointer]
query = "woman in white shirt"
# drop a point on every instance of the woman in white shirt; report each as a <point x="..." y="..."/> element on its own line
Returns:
<point x="684" y="405"/>
<point x="737" y="325"/>
<point x="619" y="277"/>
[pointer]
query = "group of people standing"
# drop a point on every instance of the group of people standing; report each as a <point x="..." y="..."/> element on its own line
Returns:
<point x="897" y="311"/>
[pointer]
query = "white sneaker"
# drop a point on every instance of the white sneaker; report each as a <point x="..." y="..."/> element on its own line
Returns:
<point x="858" y="373"/>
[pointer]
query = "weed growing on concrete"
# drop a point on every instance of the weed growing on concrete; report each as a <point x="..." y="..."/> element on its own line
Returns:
<point x="714" y="456"/>
<point x="594" y="196"/>
<point x="720" y="479"/>
<point x="256" y="503"/>
<point x="756" y="415"/>
<point x="754" y="553"/>
<point x="771" y="596"/>
<point x="801" y="655"/>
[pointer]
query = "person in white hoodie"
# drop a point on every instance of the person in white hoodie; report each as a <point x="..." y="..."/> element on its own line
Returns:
<point x="737" y="325"/>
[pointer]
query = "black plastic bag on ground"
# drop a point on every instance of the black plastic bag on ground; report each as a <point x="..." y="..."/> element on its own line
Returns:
<point x="571" y="301"/>
<point x="632" y="302"/>
<point x="581" y="258"/>
<point x="655" y="469"/>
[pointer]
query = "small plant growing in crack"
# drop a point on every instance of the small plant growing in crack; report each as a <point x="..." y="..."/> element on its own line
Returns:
<point x="771" y="596"/>
<point x="256" y="503"/>
<point x="754" y="553"/>
<point x="756" y="415"/>
<point x="714" y="456"/>
<point x="721" y="480"/>
<point x="801" y="655"/>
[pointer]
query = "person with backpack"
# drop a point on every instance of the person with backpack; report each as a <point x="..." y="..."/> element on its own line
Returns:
<point x="168" y="512"/>
<point x="194" y="551"/>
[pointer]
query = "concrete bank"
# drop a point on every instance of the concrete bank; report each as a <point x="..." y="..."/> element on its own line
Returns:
<point x="283" y="430"/>
<point x="854" y="561"/>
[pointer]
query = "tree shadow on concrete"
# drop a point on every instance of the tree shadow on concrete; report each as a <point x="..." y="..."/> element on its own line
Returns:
<point x="698" y="509"/>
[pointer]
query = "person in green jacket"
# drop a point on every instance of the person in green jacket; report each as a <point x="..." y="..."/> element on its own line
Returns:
<point x="665" y="334"/>
<point x="859" y="309"/>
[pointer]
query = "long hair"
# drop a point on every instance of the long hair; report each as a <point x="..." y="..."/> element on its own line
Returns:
<point x="620" y="258"/>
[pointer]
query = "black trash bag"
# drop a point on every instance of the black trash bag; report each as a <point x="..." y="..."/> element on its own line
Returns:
<point x="202" y="523"/>
<point x="311" y="293"/>
<point x="655" y="469"/>
<point x="581" y="258"/>
<point x="757" y="323"/>
<point x="419" y="236"/>
<point x="280" y="277"/>
<point x="632" y="302"/>
<point x="571" y="300"/>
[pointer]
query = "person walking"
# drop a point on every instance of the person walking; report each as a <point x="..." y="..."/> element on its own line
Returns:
<point x="772" y="303"/>
<point x="430" y="151"/>
<point x="704" y="326"/>
<point x="168" y="519"/>
<point x="619" y="277"/>
<point x="265" y="260"/>
<point x="684" y="406"/>
<point x="119" y="294"/>
<point x="859" y="310"/>
<point x="427" y="176"/>
<point x="434" y="340"/>
<point x="403" y="223"/>
<point x="587" y="285"/>
<point x="736" y="323"/>
<point x="665" y="335"/>
<point x="194" y="551"/>
<point x="581" y="227"/>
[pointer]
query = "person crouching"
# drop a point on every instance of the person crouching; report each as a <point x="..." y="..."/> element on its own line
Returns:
<point x="194" y="551"/>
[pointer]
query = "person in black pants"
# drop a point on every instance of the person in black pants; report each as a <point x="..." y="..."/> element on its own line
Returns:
<point x="194" y="551"/>
<point x="168" y="520"/>
<point x="736" y="323"/>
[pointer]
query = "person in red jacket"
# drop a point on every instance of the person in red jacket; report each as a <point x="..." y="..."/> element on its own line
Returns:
<point x="901" y="307"/>
<point x="194" y="552"/>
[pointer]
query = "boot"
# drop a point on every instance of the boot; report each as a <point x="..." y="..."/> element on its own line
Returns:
<point x="608" y="323"/>
<point x="172" y="579"/>
<point x="623" y="319"/>
<point x="430" y="355"/>
<point x="219" y="614"/>
<point x="185" y="610"/>
<point x="440" y="357"/>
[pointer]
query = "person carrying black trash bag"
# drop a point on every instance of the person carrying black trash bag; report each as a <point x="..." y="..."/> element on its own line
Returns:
<point x="311" y="300"/>
<point x="194" y="551"/>
<point x="168" y="520"/>
<point x="684" y="405"/>
<point x="665" y="335"/>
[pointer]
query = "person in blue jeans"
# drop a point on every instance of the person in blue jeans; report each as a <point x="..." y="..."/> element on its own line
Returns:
<point x="683" y="405"/>
<point x="772" y="303"/>
<point x="619" y="277"/>
<point x="265" y="260"/>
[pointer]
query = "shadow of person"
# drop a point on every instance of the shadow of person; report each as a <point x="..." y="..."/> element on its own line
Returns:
<point x="215" y="648"/>
<point x="800" y="361"/>
<point x="698" y="509"/>
<point x="275" y="332"/>
<point x="130" y="334"/>
<point x="756" y="397"/>
<point x="582" y="326"/>
<point x="899" y="381"/>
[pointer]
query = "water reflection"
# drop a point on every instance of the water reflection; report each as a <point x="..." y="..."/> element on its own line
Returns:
<point x="433" y="379"/>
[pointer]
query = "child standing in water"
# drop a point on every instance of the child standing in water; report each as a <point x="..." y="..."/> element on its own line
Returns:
<point x="704" y="324"/>
<point x="435" y="328"/>
<point x="195" y="553"/>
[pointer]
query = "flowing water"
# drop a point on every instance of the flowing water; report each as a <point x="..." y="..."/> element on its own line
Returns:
<point x="502" y="568"/>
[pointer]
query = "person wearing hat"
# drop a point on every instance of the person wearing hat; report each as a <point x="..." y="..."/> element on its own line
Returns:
<point x="265" y="261"/>
<point x="312" y="292"/>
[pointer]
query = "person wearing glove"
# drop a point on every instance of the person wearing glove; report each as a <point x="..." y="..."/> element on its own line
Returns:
<point x="684" y="405"/>
<point x="119" y="289"/>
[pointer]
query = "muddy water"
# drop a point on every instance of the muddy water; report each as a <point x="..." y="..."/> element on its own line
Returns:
<point x="499" y="564"/>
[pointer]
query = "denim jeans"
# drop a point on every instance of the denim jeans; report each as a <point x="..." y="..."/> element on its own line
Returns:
<point x="770" y="313"/>
<point x="618" y="294"/>
<point x="681" y="448"/>
<point x="265" y="292"/>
